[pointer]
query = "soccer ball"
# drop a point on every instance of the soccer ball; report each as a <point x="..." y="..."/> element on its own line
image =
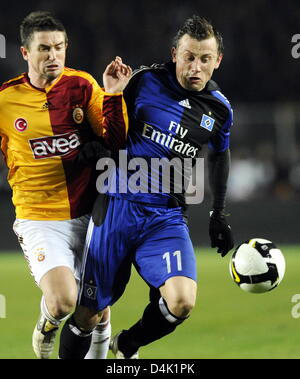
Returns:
<point x="257" y="265"/>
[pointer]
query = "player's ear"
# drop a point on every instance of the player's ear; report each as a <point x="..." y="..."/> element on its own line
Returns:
<point x="173" y="54"/>
<point x="218" y="62"/>
<point x="24" y="53"/>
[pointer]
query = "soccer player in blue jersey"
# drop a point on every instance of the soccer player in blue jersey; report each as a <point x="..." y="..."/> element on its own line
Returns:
<point x="174" y="109"/>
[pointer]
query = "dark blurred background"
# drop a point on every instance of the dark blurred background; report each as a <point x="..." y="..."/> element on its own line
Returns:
<point x="258" y="74"/>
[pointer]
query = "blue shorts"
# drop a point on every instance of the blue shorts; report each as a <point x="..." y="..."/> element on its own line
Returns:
<point x="155" y="240"/>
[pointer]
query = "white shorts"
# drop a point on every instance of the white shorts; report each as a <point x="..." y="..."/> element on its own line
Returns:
<point x="49" y="244"/>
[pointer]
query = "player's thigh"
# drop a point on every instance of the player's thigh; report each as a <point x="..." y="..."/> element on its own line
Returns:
<point x="47" y="245"/>
<point x="166" y="253"/>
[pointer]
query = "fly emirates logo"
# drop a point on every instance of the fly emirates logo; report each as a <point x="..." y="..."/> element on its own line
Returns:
<point x="54" y="146"/>
<point x="168" y="139"/>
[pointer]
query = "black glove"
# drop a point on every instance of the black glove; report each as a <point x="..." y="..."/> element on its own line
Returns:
<point x="90" y="152"/>
<point x="220" y="233"/>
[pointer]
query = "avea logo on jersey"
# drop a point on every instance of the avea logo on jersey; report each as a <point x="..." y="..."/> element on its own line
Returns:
<point x="53" y="146"/>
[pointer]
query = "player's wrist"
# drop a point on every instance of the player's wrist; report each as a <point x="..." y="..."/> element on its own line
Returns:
<point x="112" y="91"/>
<point x="217" y="213"/>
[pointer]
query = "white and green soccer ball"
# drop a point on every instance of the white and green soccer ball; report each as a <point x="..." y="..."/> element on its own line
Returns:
<point x="257" y="266"/>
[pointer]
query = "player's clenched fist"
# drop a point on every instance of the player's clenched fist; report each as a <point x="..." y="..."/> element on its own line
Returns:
<point x="116" y="76"/>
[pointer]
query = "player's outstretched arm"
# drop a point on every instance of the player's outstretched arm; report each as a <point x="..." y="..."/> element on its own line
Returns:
<point x="116" y="76"/>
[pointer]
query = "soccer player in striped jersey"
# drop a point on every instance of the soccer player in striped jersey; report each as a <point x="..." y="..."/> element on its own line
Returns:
<point x="46" y="116"/>
<point x="174" y="109"/>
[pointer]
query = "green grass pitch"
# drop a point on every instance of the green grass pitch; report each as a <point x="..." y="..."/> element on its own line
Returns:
<point x="226" y="322"/>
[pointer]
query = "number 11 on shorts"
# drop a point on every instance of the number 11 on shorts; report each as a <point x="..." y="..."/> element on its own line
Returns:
<point x="167" y="257"/>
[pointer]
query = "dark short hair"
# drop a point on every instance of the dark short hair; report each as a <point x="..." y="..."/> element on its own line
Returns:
<point x="199" y="28"/>
<point x="38" y="22"/>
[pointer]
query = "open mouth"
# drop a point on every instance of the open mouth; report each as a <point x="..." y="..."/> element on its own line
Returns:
<point x="194" y="79"/>
<point x="52" y="67"/>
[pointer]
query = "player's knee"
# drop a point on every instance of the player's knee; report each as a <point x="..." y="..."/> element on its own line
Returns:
<point x="62" y="305"/>
<point x="181" y="307"/>
<point x="180" y="295"/>
<point x="181" y="303"/>
<point x="86" y="318"/>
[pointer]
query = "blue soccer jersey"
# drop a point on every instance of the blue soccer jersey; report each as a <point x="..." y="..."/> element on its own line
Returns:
<point x="167" y="121"/>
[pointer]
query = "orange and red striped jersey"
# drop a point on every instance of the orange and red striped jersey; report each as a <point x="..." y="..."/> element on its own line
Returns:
<point x="41" y="133"/>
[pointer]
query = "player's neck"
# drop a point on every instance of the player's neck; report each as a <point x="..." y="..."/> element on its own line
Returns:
<point x="40" y="81"/>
